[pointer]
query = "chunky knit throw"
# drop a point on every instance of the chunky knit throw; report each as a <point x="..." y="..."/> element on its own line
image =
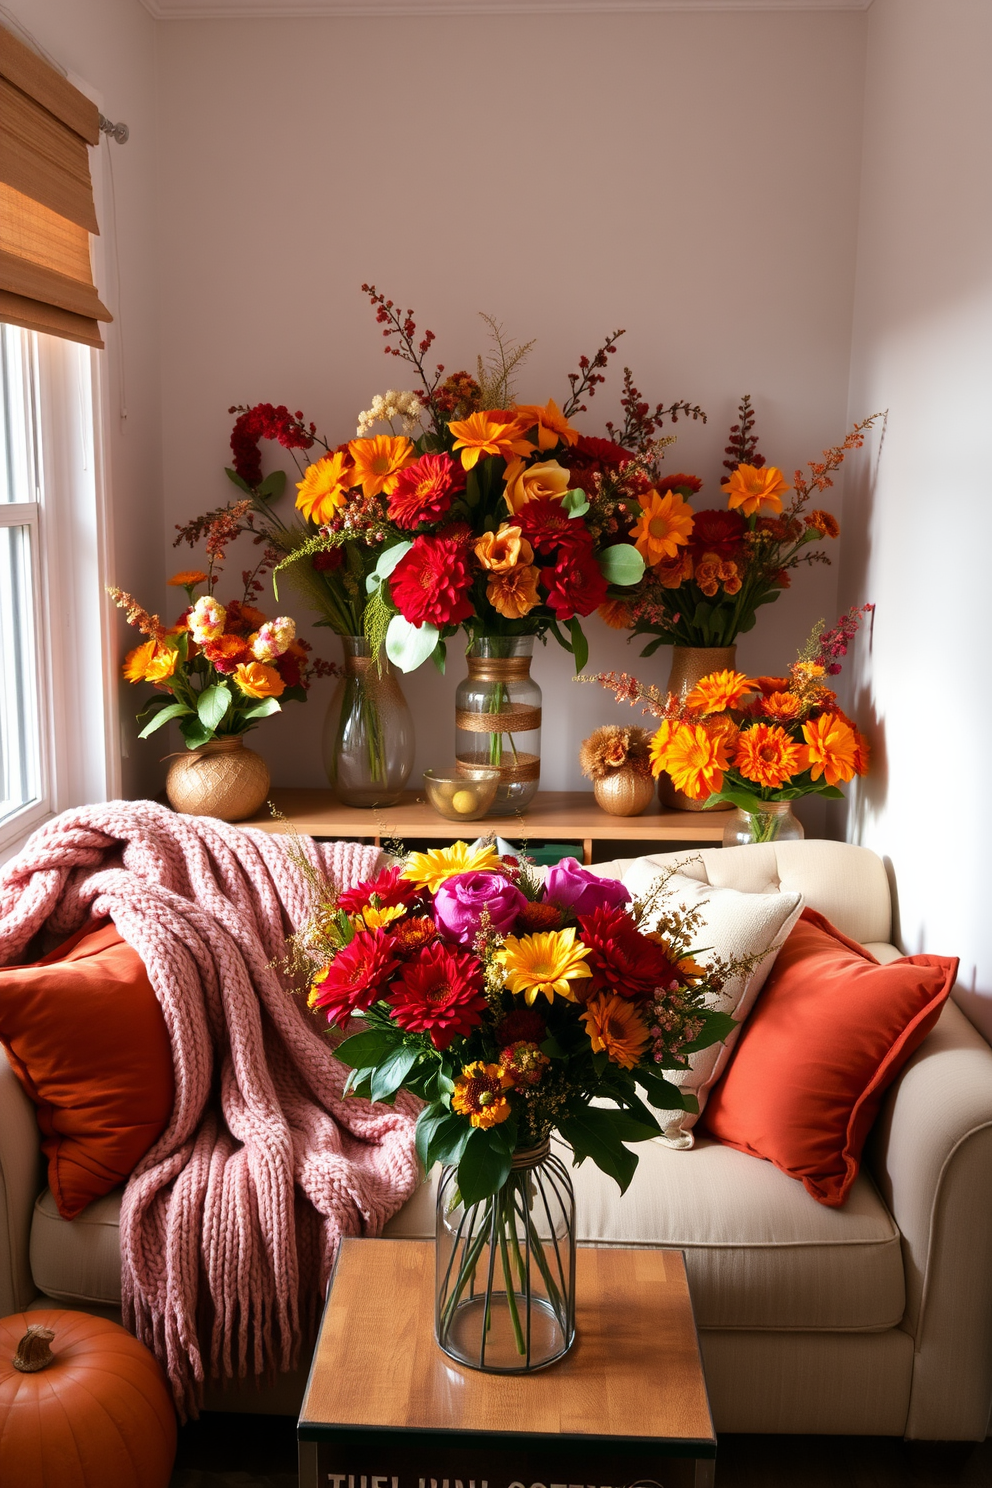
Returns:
<point x="230" y="1223"/>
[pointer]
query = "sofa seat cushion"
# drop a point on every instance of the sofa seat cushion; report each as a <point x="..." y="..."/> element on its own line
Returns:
<point x="760" y="1252"/>
<point x="78" y="1260"/>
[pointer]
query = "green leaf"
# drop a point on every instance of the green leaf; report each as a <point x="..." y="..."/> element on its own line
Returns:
<point x="621" y="564"/>
<point x="449" y="1140"/>
<point x="172" y="710"/>
<point x="652" y="646"/>
<point x="212" y="704"/>
<point x="235" y="477"/>
<point x="576" y="503"/>
<point x="485" y="1165"/>
<point x="742" y="799"/>
<point x="662" y="1095"/>
<point x="631" y="1128"/>
<point x="833" y="791"/>
<point x="266" y="707"/>
<point x="387" y="562"/>
<point x="194" y="732"/>
<point x="591" y="1133"/>
<point x="273" y="485"/>
<point x="393" y="1070"/>
<point x="439" y="656"/>
<point x="428" y="1122"/>
<point x="580" y="646"/>
<point x="716" y="1027"/>
<point x="366" y="1049"/>
<point x="408" y="646"/>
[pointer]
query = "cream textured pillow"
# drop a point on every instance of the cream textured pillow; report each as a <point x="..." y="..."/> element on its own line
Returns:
<point x="732" y="924"/>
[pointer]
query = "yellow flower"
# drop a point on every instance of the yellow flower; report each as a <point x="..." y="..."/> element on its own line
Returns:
<point x="257" y="680"/>
<point x="162" y="665"/>
<point x="718" y="691"/>
<point x="138" y="661"/>
<point x="379" y="460"/>
<point x="490" y="433"/>
<point x="478" y="1094"/>
<point x="544" y="964"/>
<point x="552" y="425"/>
<point x="376" y="919"/>
<point x="187" y="578"/>
<point x="614" y="1025"/>
<point x="547" y="480"/>
<point x="324" y="487"/>
<point x="751" y="489"/>
<point x="665" y="525"/>
<point x="500" y="551"/>
<point x="430" y="869"/>
<point x="514" y="594"/>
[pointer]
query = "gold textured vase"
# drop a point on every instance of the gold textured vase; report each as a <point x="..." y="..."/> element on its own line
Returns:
<point x="221" y="779"/>
<point x="624" y="792"/>
<point x="689" y="665"/>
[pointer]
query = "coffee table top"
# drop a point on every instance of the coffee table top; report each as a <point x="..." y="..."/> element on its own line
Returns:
<point x="634" y="1372"/>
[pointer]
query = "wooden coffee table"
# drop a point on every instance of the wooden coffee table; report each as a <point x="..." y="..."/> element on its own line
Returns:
<point x="626" y="1408"/>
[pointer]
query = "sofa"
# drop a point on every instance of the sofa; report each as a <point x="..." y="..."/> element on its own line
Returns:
<point x="874" y="1318"/>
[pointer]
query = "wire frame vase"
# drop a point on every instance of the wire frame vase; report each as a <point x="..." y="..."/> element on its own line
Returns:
<point x="505" y="1295"/>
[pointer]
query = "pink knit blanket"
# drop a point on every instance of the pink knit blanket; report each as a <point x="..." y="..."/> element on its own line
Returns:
<point x="230" y="1224"/>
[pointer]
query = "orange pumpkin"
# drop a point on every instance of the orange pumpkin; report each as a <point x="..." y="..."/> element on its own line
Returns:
<point x="85" y="1406"/>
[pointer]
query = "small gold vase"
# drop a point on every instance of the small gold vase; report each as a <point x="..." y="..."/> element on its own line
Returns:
<point x="624" y="792"/>
<point x="221" y="779"/>
<point x="689" y="665"/>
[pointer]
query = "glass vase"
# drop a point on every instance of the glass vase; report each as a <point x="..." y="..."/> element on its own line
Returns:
<point x="498" y="719"/>
<point x="774" y="821"/>
<point x="368" y="731"/>
<point x="505" y="1293"/>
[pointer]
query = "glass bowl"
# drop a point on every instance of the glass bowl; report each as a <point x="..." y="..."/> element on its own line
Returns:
<point x="464" y="796"/>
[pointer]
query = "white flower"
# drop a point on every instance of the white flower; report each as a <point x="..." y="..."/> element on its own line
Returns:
<point x="207" y="619"/>
<point x="273" y="638"/>
<point x="389" y="406"/>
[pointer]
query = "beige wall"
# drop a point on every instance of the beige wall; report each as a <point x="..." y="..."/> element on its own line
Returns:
<point x="690" y="177"/>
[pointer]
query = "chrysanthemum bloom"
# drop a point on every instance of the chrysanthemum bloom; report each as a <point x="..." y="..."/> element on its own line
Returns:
<point x="552" y="425"/>
<point x="425" y="490"/>
<point x="439" y="992"/>
<point x="522" y="1024"/>
<point x="274" y="637"/>
<point x="780" y="705"/>
<point x="413" y="934"/>
<point x="719" y="691"/>
<point x="514" y="594"/>
<point x="431" y="582"/>
<point x="256" y="680"/>
<point x="524" y="1063"/>
<point x="206" y="619"/>
<point x="823" y="523"/>
<point x="664" y="526"/>
<point x="325" y="486"/>
<point x="492" y="432"/>
<point x="718" y="532"/>
<point x="768" y="755"/>
<point x="429" y="870"/>
<point x="355" y="979"/>
<point x="388" y="887"/>
<point x="500" y="551"/>
<point x="615" y="1026"/>
<point x="658" y="747"/>
<point x="616" y="614"/>
<point x="379" y="460"/>
<point x="479" y="1094"/>
<point x="227" y="652"/>
<point x="696" y="759"/>
<point x="544" y="964"/>
<point x="150" y="662"/>
<point x="621" y="959"/>
<point x="536" y="916"/>
<point x="544" y="481"/>
<point x="575" y="584"/>
<point x="187" y="578"/>
<point x="833" y="748"/>
<point x="749" y="489"/>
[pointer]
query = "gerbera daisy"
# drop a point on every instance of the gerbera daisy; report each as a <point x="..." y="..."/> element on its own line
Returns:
<point x="696" y="759"/>
<point x="544" y="964"/>
<point x="719" y="691"/>
<point x="354" y="979"/>
<point x="749" y="489"/>
<point x="617" y="1027"/>
<point x="768" y="755"/>
<point x="479" y="1094"/>
<point x="439" y="992"/>
<point x="535" y="916"/>
<point x="379" y="461"/>
<point x="429" y="870"/>
<point x="388" y="887"/>
<point x="621" y="959"/>
<point x="552" y="425"/>
<point x="665" y="525"/>
<point x="425" y="490"/>
<point x="413" y="934"/>
<point x="523" y="1062"/>
<point x="833" y="748"/>
<point x="492" y="432"/>
<point x="324" y="487"/>
<point x="660" y="740"/>
<point x="780" y="705"/>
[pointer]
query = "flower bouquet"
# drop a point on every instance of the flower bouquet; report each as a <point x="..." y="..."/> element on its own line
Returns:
<point x="513" y="1009"/>
<point x="758" y="743"/>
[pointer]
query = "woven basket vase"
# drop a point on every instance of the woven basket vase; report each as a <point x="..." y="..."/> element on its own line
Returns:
<point x="221" y="779"/>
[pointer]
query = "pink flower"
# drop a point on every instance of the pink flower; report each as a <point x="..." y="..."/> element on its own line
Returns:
<point x="460" y="901"/>
<point x="573" y="887"/>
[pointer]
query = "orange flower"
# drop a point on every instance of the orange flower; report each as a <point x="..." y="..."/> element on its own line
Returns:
<point x="719" y="691"/>
<point x="862" y="753"/>
<point x="658" y="748"/>
<point x="489" y="433"/>
<point x="324" y="487"/>
<point x="187" y="578"/>
<point x="768" y="755"/>
<point x="151" y="662"/>
<point x="500" y="551"/>
<point x="614" y="1025"/>
<point x="665" y="525"/>
<point x="513" y="592"/>
<point x="780" y="705"/>
<point x="696" y="759"/>
<point x="730" y="578"/>
<point x="833" y="748"/>
<point x="825" y="524"/>
<point x="379" y="460"/>
<point x="616" y="614"/>
<point x="672" y="573"/>
<point x="750" y="489"/>
<point x="544" y="480"/>
<point x="552" y="425"/>
<point x="256" y="680"/>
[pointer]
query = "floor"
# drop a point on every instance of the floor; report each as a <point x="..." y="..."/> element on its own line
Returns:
<point x="260" y="1452"/>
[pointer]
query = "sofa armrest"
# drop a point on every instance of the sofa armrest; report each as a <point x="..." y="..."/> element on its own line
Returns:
<point x="20" y="1181"/>
<point x="931" y="1156"/>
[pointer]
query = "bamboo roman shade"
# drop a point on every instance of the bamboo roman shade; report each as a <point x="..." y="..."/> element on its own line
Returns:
<point x="46" y="199"/>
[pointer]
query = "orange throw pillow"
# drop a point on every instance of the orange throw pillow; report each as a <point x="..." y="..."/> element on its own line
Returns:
<point x="830" y="1032"/>
<point x="86" y="1038"/>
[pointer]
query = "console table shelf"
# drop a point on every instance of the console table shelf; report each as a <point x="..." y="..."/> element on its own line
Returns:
<point x="555" y="816"/>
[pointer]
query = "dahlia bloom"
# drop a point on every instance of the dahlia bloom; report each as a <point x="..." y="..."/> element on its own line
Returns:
<point x="719" y="691"/>
<point x="621" y="959"/>
<point x="439" y="992"/>
<point x="575" y="585"/>
<point x="768" y="755"/>
<point x="431" y="582"/>
<point x="833" y="748"/>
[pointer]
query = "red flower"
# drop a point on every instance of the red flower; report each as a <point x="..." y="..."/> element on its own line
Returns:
<point x="686" y="485"/>
<point x="575" y="585"/>
<point x="263" y="421"/>
<point x="621" y="959"/>
<point x="389" y="888"/>
<point x="425" y="490"/>
<point x="719" y="532"/>
<point x="535" y="916"/>
<point x="413" y="934"/>
<point x="355" y="978"/>
<point x="439" y="992"/>
<point x="328" y="559"/>
<point x="522" y="1024"/>
<point x="592" y="451"/>
<point x="431" y="582"/>
<point x="547" y="526"/>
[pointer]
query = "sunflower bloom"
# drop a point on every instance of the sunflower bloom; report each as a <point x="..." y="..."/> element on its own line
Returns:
<point x="379" y="461"/>
<point x="750" y="490"/>
<point x="489" y="433"/>
<point x="544" y="964"/>
<point x="665" y="525"/>
<point x="768" y="755"/>
<point x="479" y="1094"/>
<point x="429" y="870"/>
<point x="833" y="748"/>
<point x="552" y="425"/>
<point x="615" y="1026"/>
<point x="324" y="487"/>
<point x="696" y="759"/>
<point x="719" y="691"/>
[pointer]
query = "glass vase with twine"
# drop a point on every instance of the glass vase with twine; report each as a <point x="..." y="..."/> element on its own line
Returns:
<point x="498" y="719"/>
<point x="773" y="821"/>
<point x="368" y="731"/>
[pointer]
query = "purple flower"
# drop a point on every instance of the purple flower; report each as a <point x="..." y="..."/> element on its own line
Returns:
<point x="459" y="902"/>
<point x="573" y="887"/>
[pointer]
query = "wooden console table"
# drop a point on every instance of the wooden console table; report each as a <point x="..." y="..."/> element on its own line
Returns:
<point x="554" y="816"/>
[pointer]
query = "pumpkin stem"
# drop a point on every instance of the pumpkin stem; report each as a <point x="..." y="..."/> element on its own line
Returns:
<point x="33" y="1352"/>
